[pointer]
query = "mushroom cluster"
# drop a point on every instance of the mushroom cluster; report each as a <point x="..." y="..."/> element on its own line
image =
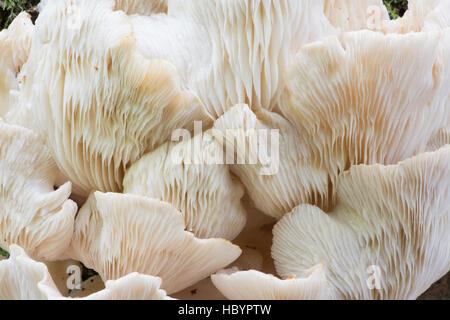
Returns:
<point x="212" y="149"/>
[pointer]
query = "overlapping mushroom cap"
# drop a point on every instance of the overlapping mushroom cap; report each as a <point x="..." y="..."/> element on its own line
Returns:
<point x="193" y="177"/>
<point x="231" y="52"/>
<point x="320" y="115"/>
<point x="255" y="285"/>
<point x="22" y="278"/>
<point x="118" y="234"/>
<point x="15" y="44"/>
<point x="32" y="213"/>
<point x="343" y="111"/>
<point x="97" y="101"/>
<point x="388" y="236"/>
<point x="265" y="156"/>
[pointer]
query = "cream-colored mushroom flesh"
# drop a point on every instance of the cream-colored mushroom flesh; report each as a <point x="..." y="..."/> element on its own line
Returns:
<point x="356" y="15"/>
<point x="354" y="99"/>
<point x="388" y="236"/>
<point x="118" y="234"/>
<point x="22" y="278"/>
<point x="32" y="213"/>
<point x="133" y="286"/>
<point x="262" y="150"/>
<point x="193" y="177"/>
<point x="231" y="52"/>
<point x="99" y="103"/>
<point x="141" y="7"/>
<point x="15" y="44"/>
<point x="255" y="285"/>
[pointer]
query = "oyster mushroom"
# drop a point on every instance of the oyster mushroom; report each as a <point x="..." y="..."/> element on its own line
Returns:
<point x="255" y="285"/>
<point x="231" y="52"/>
<point x="22" y="278"/>
<point x="32" y="213"/>
<point x="192" y="176"/>
<point x="118" y="234"/>
<point x="15" y="45"/>
<point x="96" y="100"/>
<point x="387" y="238"/>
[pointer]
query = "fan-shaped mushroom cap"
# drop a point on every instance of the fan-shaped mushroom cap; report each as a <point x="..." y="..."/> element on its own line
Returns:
<point x="387" y="237"/>
<point x="15" y="44"/>
<point x="232" y="52"/>
<point x="422" y="15"/>
<point x="98" y="102"/>
<point x="354" y="100"/>
<point x="134" y="286"/>
<point x="440" y="139"/>
<point x="117" y="234"/>
<point x="22" y="278"/>
<point x="142" y="7"/>
<point x="343" y="111"/>
<point x="32" y="214"/>
<point x="355" y="15"/>
<point x="255" y="285"/>
<point x="192" y="176"/>
<point x="280" y="182"/>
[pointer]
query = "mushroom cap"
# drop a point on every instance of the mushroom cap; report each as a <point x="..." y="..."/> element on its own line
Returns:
<point x="280" y="184"/>
<point x="388" y="236"/>
<point x="118" y="234"/>
<point x="98" y="102"/>
<point x="133" y="286"/>
<point x="22" y="278"/>
<point x="32" y="213"/>
<point x="15" y="44"/>
<point x="231" y="52"/>
<point x="342" y="111"/>
<point x="142" y="7"/>
<point x="192" y="176"/>
<point x="354" y="100"/>
<point x="256" y="285"/>
<point x="355" y="15"/>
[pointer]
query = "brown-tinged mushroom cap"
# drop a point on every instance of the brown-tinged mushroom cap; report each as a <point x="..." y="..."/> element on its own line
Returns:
<point x="98" y="102"/>
<point x="142" y="7"/>
<point x="193" y="177"/>
<point x="117" y="234"/>
<point x="255" y="285"/>
<point x="388" y="236"/>
<point x="15" y="45"/>
<point x="32" y="213"/>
